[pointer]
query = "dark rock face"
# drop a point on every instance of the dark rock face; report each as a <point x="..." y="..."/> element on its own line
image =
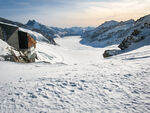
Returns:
<point x="135" y="32"/>
<point x="130" y="39"/>
<point x="125" y="43"/>
<point x="141" y="30"/>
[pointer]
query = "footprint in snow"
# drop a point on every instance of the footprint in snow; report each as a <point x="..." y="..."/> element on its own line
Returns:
<point x="73" y="84"/>
<point x="127" y="75"/>
<point x="82" y="81"/>
<point x="44" y="96"/>
<point x="65" y="84"/>
<point x="50" y="84"/>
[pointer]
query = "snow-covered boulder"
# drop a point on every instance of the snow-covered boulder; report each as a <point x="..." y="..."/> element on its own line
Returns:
<point x="109" y="53"/>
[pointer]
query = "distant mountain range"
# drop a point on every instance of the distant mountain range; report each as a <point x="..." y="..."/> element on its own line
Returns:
<point x="109" y="33"/>
<point x="56" y="31"/>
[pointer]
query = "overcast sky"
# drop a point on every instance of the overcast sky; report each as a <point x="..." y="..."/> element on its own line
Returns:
<point x="67" y="13"/>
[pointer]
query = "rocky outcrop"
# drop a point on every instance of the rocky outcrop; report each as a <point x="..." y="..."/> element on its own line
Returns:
<point x="19" y="57"/>
<point x="129" y="40"/>
<point x="8" y="53"/>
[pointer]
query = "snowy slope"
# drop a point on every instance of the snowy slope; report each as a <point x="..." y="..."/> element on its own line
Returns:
<point x="84" y="81"/>
<point x="5" y="50"/>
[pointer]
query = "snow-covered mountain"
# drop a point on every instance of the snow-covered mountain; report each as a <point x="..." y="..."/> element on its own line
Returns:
<point x="138" y="36"/>
<point x="110" y="32"/>
<point x="55" y="31"/>
<point x="113" y="32"/>
<point x="41" y="28"/>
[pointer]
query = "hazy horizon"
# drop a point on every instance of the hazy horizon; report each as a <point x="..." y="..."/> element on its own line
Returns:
<point x="68" y="13"/>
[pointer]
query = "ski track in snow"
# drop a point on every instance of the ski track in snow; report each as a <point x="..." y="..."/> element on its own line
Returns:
<point x="84" y="82"/>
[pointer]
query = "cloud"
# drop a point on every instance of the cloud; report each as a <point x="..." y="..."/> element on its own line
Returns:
<point x="73" y="12"/>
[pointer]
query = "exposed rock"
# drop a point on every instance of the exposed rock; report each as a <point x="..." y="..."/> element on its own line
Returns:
<point x="135" y="32"/>
<point x="129" y="40"/>
<point x="21" y="57"/>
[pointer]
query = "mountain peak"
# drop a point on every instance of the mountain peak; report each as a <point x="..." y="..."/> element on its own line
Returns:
<point x="109" y="23"/>
<point x="33" y="23"/>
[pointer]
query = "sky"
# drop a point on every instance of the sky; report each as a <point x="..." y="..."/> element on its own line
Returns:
<point x="68" y="13"/>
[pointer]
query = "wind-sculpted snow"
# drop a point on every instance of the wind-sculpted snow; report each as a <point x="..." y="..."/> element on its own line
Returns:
<point x="73" y="90"/>
<point x="82" y="81"/>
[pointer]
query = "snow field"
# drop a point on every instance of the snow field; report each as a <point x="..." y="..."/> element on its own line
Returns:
<point x="80" y="80"/>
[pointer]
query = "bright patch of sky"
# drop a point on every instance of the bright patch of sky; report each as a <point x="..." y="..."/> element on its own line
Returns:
<point x="67" y="13"/>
